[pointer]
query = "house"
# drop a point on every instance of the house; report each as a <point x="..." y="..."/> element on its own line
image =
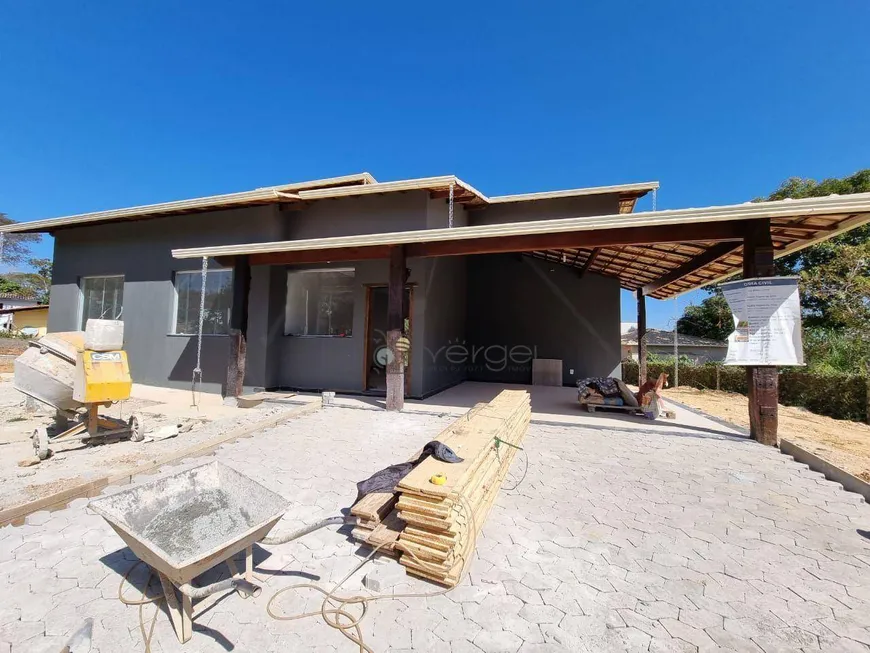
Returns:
<point x="9" y="301"/>
<point x="27" y="320"/>
<point x="661" y="343"/>
<point x="312" y="285"/>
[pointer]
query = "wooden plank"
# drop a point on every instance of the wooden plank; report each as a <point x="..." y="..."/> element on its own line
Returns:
<point x="172" y="606"/>
<point x="472" y="449"/>
<point x="387" y="532"/>
<point x="440" y="548"/>
<point x="762" y="381"/>
<point x="374" y="506"/>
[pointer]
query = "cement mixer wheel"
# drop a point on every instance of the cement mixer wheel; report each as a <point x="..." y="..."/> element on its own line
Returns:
<point x="137" y="429"/>
<point x="40" y="443"/>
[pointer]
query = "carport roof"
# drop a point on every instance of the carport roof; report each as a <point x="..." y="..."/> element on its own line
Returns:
<point x="665" y="253"/>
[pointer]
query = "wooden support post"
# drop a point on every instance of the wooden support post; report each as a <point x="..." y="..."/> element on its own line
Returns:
<point x="762" y="381"/>
<point x="176" y="611"/>
<point x="238" y="330"/>
<point x="186" y="618"/>
<point x="641" y="338"/>
<point x="395" y="323"/>
<point x="93" y="419"/>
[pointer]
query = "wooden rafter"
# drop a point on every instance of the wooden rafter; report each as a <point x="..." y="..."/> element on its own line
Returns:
<point x="590" y="260"/>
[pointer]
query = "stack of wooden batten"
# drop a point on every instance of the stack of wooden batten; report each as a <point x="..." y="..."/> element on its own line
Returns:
<point x="375" y="519"/>
<point x="442" y="521"/>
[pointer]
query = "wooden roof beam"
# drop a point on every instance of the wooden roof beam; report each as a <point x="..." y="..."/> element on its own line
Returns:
<point x="699" y="231"/>
<point x="589" y="261"/>
<point x="712" y="254"/>
<point x="704" y="232"/>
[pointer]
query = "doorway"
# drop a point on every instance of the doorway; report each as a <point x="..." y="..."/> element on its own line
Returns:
<point x="376" y="337"/>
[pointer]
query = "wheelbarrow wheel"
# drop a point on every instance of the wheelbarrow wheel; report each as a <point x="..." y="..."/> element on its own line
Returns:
<point x="137" y="430"/>
<point x="40" y="443"/>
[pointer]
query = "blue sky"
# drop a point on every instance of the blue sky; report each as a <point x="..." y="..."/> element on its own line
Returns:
<point x="115" y="104"/>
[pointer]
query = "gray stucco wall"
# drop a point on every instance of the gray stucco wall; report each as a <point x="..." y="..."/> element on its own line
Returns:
<point x="566" y="207"/>
<point x="445" y="317"/>
<point x="315" y="363"/>
<point x="519" y="307"/>
<point x="366" y="214"/>
<point x="484" y="300"/>
<point x="140" y="251"/>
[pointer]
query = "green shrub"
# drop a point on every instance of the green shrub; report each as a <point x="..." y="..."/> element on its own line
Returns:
<point x="14" y="335"/>
<point x="842" y="396"/>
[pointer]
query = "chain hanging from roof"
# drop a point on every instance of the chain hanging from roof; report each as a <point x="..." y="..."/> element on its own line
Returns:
<point x="197" y="371"/>
<point x="450" y="209"/>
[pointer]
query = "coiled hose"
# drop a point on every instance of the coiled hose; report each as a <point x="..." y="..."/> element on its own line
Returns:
<point x="333" y="608"/>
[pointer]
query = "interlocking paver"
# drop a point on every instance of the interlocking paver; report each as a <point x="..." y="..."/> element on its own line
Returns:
<point x="618" y="539"/>
<point x="496" y="642"/>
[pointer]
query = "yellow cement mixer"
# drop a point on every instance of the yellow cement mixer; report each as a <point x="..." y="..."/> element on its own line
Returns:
<point x="76" y="372"/>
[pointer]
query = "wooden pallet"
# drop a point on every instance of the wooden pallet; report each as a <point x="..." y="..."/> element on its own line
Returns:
<point x="631" y="410"/>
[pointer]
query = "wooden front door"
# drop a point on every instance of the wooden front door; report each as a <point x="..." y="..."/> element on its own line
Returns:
<point x="376" y="337"/>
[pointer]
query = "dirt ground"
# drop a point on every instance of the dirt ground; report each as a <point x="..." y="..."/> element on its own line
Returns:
<point x="840" y="442"/>
<point x="74" y="463"/>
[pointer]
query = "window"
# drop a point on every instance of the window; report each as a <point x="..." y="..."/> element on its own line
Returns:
<point x="102" y="298"/>
<point x="218" y="301"/>
<point x="320" y="302"/>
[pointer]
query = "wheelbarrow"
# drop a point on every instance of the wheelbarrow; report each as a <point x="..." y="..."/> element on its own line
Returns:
<point x="185" y="524"/>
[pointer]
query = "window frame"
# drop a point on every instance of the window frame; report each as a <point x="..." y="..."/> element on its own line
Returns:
<point x="82" y="279"/>
<point x="173" y="316"/>
<point x="290" y="271"/>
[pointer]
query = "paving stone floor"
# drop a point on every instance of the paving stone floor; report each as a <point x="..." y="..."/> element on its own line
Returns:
<point x="616" y="539"/>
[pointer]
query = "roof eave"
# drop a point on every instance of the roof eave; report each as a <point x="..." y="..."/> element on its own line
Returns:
<point x="633" y="190"/>
<point x="258" y="196"/>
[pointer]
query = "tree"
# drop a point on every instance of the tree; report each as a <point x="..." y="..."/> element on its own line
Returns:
<point x="797" y="188"/>
<point x="37" y="282"/>
<point x="16" y="247"/>
<point x="831" y="269"/>
<point x="709" y="319"/>
<point x="834" y="285"/>
<point x="11" y="287"/>
<point x="840" y="288"/>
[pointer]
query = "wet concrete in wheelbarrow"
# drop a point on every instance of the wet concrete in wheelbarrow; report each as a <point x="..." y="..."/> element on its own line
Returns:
<point x="193" y="513"/>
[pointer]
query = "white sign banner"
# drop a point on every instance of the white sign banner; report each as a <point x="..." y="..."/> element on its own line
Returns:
<point x="767" y="321"/>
